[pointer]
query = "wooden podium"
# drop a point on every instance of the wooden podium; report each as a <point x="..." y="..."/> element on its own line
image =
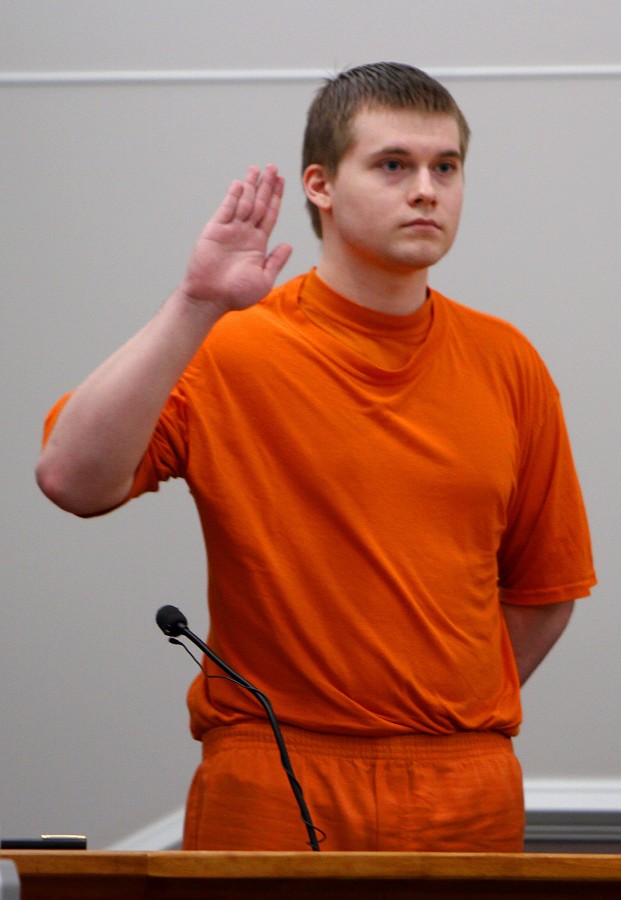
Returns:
<point x="87" y="875"/>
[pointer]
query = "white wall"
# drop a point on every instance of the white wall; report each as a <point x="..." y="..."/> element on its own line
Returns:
<point x="104" y="188"/>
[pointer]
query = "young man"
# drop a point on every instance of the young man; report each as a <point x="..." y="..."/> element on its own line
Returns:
<point x="392" y="519"/>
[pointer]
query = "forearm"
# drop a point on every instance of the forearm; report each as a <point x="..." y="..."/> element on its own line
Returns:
<point x="533" y="631"/>
<point x="89" y="461"/>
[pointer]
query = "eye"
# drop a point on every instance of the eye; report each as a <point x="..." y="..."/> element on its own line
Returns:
<point x="446" y="167"/>
<point x="392" y="165"/>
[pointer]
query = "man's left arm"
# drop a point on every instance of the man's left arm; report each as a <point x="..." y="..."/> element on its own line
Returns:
<point x="533" y="631"/>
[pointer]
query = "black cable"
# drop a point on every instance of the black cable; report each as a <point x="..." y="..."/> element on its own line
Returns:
<point x="181" y="628"/>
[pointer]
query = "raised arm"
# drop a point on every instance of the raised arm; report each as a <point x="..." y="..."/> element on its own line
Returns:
<point x="87" y="465"/>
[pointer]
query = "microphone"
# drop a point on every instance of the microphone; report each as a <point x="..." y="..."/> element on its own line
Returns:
<point x="171" y="620"/>
<point x="173" y="623"/>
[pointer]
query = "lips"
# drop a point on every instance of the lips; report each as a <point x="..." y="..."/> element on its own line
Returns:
<point x="422" y="223"/>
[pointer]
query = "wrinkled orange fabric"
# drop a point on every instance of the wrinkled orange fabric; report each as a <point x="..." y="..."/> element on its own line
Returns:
<point x="457" y="793"/>
<point x="370" y="488"/>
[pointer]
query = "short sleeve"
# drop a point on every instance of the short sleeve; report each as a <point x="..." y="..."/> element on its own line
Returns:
<point x="545" y="555"/>
<point x="167" y="453"/>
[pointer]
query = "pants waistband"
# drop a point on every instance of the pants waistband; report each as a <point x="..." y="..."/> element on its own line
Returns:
<point x="406" y="746"/>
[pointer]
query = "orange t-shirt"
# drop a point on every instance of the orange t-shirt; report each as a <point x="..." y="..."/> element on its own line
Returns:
<point x="370" y="487"/>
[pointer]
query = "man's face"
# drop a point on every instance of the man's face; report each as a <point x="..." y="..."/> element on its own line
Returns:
<point x="396" y="198"/>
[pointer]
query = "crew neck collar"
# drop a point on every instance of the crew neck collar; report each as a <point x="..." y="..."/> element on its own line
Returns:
<point x="317" y="301"/>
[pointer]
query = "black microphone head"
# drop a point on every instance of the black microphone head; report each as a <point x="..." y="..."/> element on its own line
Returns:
<point x="171" y="620"/>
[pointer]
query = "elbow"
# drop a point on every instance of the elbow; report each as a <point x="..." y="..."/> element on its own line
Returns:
<point x="54" y="486"/>
<point x="47" y="482"/>
<point x="75" y="496"/>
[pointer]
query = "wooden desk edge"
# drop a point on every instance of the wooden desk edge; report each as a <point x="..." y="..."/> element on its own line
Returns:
<point x="350" y="865"/>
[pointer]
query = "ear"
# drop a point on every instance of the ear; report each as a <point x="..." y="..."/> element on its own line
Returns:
<point x="317" y="186"/>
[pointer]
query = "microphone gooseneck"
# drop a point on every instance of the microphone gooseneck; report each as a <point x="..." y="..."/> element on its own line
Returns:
<point x="173" y="623"/>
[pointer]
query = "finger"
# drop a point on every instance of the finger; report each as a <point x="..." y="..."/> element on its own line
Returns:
<point x="239" y="199"/>
<point x="227" y="210"/>
<point x="266" y="188"/>
<point x="246" y="203"/>
<point x="273" y="208"/>
<point x="277" y="259"/>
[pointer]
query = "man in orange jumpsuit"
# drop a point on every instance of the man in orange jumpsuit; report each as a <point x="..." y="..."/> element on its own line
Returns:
<point x="393" y="523"/>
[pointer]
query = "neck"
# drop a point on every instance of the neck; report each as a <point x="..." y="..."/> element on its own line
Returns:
<point x="397" y="292"/>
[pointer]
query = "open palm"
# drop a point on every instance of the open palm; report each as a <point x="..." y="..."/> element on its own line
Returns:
<point x="230" y="265"/>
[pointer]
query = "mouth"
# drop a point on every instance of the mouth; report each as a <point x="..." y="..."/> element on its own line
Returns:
<point x="420" y="222"/>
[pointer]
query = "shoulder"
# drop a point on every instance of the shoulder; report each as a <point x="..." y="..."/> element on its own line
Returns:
<point x="491" y="335"/>
<point x="242" y="339"/>
<point x="273" y="311"/>
<point x="480" y="324"/>
<point x="498" y="350"/>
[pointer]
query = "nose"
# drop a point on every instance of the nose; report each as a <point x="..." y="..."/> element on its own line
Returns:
<point x="422" y="188"/>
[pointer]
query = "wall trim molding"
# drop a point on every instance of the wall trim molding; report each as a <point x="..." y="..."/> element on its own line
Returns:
<point x="576" y="795"/>
<point x="163" y="834"/>
<point x="232" y="76"/>
<point x="578" y="810"/>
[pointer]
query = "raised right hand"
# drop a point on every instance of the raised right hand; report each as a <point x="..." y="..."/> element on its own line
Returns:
<point x="103" y="431"/>
<point x="230" y="266"/>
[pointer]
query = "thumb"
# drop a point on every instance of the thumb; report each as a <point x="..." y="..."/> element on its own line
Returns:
<point x="277" y="259"/>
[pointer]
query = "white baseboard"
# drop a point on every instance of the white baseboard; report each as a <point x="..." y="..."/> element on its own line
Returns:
<point x="564" y="796"/>
<point x="163" y="834"/>
<point x="573" y="795"/>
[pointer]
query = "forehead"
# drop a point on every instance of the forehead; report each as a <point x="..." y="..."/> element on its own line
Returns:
<point x="374" y="129"/>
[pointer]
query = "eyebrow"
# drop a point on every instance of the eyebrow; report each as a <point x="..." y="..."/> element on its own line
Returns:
<point x="397" y="150"/>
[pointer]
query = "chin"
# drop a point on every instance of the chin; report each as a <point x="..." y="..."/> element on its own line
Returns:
<point x="409" y="263"/>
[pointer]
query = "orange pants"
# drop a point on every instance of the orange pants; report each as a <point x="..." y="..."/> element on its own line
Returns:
<point x="453" y="793"/>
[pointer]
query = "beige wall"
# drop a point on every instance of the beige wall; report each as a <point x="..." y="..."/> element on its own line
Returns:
<point x="104" y="187"/>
